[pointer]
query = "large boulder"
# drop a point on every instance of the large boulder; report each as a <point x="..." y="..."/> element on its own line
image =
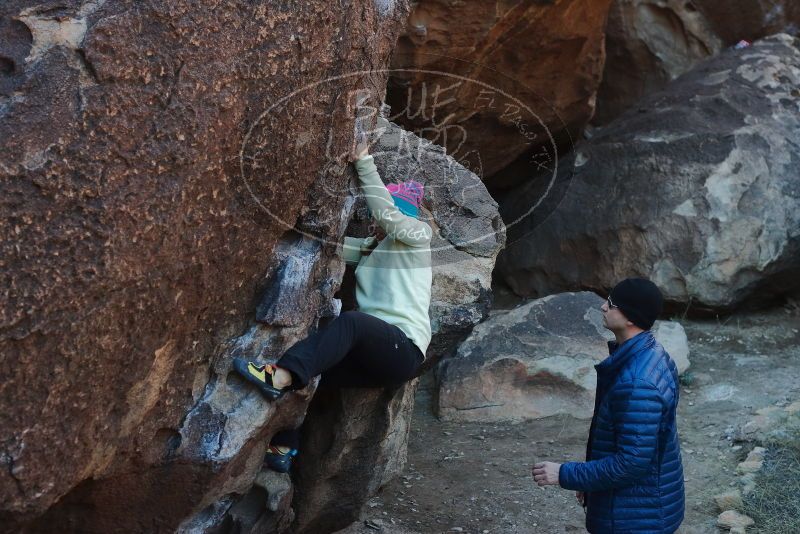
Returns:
<point x="695" y="189"/>
<point x="648" y="44"/>
<point x="354" y="442"/>
<point x="651" y="42"/>
<point x="153" y="183"/>
<point x="493" y="82"/>
<point x="536" y="360"/>
<point x="533" y="361"/>
<point x="672" y="337"/>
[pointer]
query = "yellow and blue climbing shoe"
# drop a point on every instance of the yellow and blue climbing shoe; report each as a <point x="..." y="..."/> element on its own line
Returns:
<point x="260" y="375"/>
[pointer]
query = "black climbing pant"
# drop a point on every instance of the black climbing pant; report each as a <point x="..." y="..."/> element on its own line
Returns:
<point x="355" y="350"/>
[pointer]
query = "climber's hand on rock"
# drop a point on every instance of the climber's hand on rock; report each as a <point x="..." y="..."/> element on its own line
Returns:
<point x="359" y="151"/>
<point x="360" y="147"/>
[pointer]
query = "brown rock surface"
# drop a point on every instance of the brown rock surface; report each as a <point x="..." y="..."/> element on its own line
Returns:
<point x="546" y="55"/>
<point x="149" y="194"/>
<point x="131" y="248"/>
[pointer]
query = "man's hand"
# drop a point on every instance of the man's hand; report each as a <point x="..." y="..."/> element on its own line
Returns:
<point x="546" y="473"/>
<point x="581" y="498"/>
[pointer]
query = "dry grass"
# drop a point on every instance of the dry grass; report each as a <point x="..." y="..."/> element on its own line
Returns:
<point x="775" y="503"/>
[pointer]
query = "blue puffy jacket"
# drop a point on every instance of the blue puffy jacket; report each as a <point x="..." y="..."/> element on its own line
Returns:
<point x="633" y="477"/>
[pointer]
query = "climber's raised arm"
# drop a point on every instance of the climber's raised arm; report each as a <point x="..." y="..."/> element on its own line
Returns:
<point x="396" y="224"/>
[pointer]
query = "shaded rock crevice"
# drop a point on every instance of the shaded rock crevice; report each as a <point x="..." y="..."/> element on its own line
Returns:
<point x="649" y="43"/>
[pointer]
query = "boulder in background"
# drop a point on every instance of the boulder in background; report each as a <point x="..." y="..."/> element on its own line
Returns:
<point x="695" y="189"/>
<point x="535" y="361"/>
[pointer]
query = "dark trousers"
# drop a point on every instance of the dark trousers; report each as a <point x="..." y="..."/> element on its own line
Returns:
<point x="354" y="350"/>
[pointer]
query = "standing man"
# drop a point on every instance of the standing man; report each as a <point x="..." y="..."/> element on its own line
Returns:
<point x="632" y="479"/>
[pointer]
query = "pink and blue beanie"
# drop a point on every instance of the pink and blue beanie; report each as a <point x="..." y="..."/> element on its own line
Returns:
<point x="407" y="196"/>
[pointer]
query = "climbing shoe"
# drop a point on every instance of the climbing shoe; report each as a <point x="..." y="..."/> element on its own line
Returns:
<point x="260" y="375"/>
<point x="279" y="458"/>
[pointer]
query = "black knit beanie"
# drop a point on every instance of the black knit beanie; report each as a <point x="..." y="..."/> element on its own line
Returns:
<point x="639" y="300"/>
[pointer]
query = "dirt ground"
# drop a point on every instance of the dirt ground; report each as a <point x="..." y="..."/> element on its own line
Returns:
<point x="475" y="478"/>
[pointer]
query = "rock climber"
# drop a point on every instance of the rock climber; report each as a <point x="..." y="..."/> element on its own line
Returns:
<point x="384" y="342"/>
<point x="632" y="479"/>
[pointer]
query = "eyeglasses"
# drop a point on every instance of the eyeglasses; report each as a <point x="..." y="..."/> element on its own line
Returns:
<point x="611" y="305"/>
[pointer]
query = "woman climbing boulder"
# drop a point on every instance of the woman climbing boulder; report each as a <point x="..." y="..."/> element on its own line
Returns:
<point x="384" y="342"/>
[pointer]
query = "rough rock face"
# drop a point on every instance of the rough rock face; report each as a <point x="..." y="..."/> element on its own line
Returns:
<point x="651" y="42"/>
<point x="696" y="189"/>
<point x="139" y="163"/>
<point x="357" y="434"/>
<point x="164" y="210"/>
<point x="535" y="361"/>
<point x="460" y="56"/>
